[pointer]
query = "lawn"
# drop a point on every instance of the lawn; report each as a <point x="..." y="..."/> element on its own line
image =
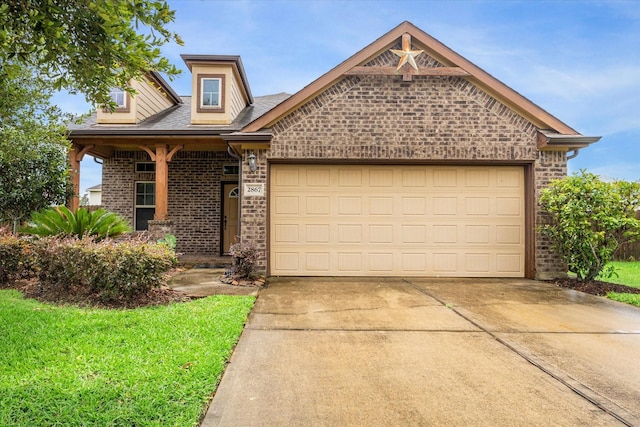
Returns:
<point x="154" y="366"/>
<point x="627" y="273"/>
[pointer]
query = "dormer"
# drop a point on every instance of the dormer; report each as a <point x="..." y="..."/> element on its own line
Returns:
<point x="219" y="87"/>
<point x="153" y="95"/>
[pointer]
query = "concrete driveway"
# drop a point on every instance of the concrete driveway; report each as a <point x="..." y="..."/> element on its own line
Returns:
<point x="391" y="352"/>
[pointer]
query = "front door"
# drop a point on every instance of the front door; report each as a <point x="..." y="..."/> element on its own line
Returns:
<point x="229" y="215"/>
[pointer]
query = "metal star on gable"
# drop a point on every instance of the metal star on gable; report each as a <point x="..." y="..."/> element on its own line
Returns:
<point x="406" y="54"/>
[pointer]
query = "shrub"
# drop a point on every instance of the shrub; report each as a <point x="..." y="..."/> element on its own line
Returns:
<point x="589" y="219"/>
<point x="13" y="256"/>
<point x="61" y="221"/>
<point x="245" y="257"/>
<point x="113" y="269"/>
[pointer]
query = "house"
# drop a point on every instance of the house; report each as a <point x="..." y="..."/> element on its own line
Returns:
<point x="94" y="195"/>
<point x="405" y="159"/>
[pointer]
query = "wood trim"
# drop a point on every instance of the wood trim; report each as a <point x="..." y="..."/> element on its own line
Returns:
<point x="529" y="222"/>
<point x="162" y="183"/>
<point x="85" y="150"/>
<point x="149" y="152"/>
<point x="440" y="52"/>
<point x="392" y="71"/>
<point x="201" y="109"/>
<point x="173" y="152"/>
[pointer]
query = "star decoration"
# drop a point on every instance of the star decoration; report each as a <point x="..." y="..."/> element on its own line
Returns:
<point x="407" y="56"/>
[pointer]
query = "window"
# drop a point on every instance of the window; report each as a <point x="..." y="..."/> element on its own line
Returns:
<point x="211" y="93"/>
<point x="145" y="204"/>
<point x="145" y="167"/>
<point x="230" y="169"/>
<point x="120" y="97"/>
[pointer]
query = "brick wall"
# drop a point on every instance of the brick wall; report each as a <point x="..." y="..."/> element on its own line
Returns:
<point x="384" y="117"/>
<point x="550" y="165"/>
<point x="195" y="180"/>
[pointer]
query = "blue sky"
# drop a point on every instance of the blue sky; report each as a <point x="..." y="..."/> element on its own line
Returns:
<point x="579" y="60"/>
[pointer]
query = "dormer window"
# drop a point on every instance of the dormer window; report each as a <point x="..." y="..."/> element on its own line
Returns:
<point x="211" y="93"/>
<point x="121" y="98"/>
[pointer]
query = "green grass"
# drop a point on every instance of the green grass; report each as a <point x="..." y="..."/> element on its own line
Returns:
<point x="156" y="366"/>
<point x="628" y="273"/>
<point x="633" y="299"/>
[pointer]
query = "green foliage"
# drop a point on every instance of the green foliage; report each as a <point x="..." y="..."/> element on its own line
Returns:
<point x="589" y="219"/>
<point x="245" y="256"/>
<point x="87" y="46"/>
<point x="14" y="253"/>
<point x="155" y="366"/>
<point x="170" y="241"/>
<point x="61" y="221"/>
<point x="633" y="299"/>
<point x="113" y="269"/>
<point x="626" y="273"/>
<point x="33" y="146"/>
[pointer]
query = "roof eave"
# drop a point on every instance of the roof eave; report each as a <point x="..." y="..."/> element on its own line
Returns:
<point x="154" y="75"/>
<point x="548" y="141"/>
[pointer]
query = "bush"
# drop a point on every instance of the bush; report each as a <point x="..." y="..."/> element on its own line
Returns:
<point x="61" y="221"/>
<point x="13" y="256"/>
<point x="589" y="219"/>
<point x="245" y="257"/>
<point x="113" y="269"/>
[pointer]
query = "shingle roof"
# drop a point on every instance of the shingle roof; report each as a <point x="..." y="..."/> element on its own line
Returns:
<point x="177" y="120"/>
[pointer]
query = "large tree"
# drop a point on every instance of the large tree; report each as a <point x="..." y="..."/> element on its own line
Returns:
<point x="33" y="147"/>
<point x="87" y="46"/>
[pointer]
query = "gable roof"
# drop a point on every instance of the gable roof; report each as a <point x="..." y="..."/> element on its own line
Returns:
<point x="434" y="48"/>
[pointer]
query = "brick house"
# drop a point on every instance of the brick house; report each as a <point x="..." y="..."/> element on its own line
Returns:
<point x="405" y="159"/>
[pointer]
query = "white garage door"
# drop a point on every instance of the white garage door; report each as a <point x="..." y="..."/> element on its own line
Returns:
<point x="457" y="221"/>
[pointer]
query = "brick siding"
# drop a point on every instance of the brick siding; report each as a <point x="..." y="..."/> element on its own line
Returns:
<point x="385" y="118"/>
<point x="195" y="181"/>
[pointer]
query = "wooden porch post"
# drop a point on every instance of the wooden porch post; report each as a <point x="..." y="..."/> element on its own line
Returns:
<point x="162" y="183"/>
<point x="74" y="170"/>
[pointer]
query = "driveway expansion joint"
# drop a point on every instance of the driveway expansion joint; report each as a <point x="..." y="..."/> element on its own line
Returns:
<point x="557" y="374"/>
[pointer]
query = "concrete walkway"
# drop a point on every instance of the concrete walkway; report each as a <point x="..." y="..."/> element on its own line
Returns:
<point x="422" y="352"/>
<point x="203" y="282"/>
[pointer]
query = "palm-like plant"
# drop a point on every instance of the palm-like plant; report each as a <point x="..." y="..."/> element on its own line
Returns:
<point x="61" y="221"/>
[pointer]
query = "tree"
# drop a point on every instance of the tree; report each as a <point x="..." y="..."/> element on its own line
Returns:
<point x="87" y="46"/>
<point x="33" y="147"/>
<point x="589" y="219"/>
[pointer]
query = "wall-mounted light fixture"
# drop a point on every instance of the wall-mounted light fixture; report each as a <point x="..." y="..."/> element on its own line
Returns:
<point x="252" y="162"/>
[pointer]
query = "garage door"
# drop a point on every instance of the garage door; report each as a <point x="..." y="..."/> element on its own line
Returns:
<point x="396" y="220"/>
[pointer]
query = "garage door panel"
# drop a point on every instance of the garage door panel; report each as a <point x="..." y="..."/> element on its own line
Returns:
<point x="397" y="220"/>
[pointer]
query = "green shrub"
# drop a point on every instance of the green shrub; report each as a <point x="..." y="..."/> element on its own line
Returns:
<point x="13" y="256"/>
<point x="61" y="221"/>
<point x="113" y="269"/>
<point x="589" y="219"/>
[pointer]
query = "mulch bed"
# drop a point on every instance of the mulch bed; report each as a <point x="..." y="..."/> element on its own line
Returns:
<point x="79" y="296"/>
<point x="594" y="287"/>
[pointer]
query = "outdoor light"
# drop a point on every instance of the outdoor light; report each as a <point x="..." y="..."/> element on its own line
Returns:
<point x="252" y="162"/>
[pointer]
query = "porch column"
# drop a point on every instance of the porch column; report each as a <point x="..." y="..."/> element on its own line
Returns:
<point x="162" y="183"/>
<point x="74" y="171"/>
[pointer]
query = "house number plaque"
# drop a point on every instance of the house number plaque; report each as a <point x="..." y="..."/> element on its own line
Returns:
<point x="253" y="190"/>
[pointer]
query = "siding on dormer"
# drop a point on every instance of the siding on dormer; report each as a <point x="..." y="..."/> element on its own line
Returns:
<point x="151" y="100"/>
